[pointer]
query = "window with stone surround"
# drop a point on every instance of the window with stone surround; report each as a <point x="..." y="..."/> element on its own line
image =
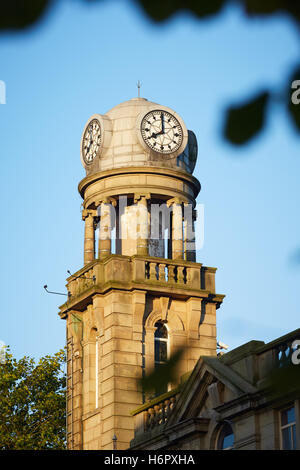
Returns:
<point x="225" y="439"/>
<point x="161" y="351"/>
<point x="288" y="429"/>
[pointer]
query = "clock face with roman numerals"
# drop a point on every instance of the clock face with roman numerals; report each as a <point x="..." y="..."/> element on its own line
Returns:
<point x="91" y="141"/>
<point x="161" y="131"/>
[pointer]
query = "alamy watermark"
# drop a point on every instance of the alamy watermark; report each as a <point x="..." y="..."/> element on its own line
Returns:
<point x="296" y="353"/>
<point x="295" y="96"/>
<point x="152" y="221"/>
<point x="2" y="92"/>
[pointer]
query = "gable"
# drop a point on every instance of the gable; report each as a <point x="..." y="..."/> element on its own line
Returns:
<point x="210" y="385"/>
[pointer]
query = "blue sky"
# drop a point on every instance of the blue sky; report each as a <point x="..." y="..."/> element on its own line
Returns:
<point x="86" y="58"/>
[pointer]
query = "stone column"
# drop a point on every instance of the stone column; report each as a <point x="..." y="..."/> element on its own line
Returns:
<point x="89" y="235"/>
<point x="189" y="243"/>
<point x="142" y="224"/>
<point x="104" y="247"/>
<point x="177" y="230"/>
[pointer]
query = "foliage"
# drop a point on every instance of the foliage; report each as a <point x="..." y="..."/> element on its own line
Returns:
<point x="284" y="382"/>
<point x="241" y="122"/>
<point x="32" y="402"/>
<point x="19" y="14"/>
<point x="157" y="380"/>
<point x="245" y="121"/>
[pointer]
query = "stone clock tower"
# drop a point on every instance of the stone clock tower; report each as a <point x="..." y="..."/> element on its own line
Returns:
<point x="141" y="294"/>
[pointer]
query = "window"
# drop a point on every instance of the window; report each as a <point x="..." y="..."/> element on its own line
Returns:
<point x="161" y="343"/>
<point x="161" y="352"/>
<point x="225" y="438"/>
<point x="288" y="429"/>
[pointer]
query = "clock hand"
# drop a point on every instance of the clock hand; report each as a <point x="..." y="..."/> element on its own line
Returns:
<point x="154" y="135"/>
<point x="162" y="123"/>
<point x="89" y="144"/>
<point x="162" y="126"/>
<point x="91" y="139"/>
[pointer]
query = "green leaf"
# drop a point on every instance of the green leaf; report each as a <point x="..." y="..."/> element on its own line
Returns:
<point x="160" y="377"/>
<point x="243" y="122"/>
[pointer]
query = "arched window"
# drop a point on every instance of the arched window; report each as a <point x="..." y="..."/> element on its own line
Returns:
<point x="161" y="352"/>
<point x="225" y="437"/>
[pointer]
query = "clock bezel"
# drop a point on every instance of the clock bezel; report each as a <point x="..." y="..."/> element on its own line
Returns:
<point x="86" y="162"/>
<point x="106" y="134"/>
<point x="157" y="153"/>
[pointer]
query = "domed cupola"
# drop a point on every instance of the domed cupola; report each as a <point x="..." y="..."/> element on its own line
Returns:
<point x="139" y="133"/>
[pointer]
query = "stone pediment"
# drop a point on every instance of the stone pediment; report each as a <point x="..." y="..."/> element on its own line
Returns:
<point x="212" y="390"/>
<point x="210" y="385"/>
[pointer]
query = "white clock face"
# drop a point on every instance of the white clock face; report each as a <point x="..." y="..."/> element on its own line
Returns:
<point x="91" y="141"/>
<point x="161" y="131"/>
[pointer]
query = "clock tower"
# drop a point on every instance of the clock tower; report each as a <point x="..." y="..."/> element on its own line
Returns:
<point x="140" y="295"/>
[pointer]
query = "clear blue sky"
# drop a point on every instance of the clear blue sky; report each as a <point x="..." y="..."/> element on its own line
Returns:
<point x="85" y="59"/>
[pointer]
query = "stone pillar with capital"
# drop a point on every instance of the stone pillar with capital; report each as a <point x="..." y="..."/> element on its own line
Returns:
<point x="105" y="227"/>
<point x="142" y="224"/>
<point x="189" y="242"/>
<point x="89" y="235"/>
<point x="177" y="229"/>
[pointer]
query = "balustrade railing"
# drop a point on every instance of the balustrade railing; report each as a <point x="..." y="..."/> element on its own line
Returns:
<point x="82" y="282"/>
<point x="136" y="269"/>
<point x="284" y="352"/>
<point x="278" y="353"/>
<point x="158" y="414"/>
<point x="166" y="272"/>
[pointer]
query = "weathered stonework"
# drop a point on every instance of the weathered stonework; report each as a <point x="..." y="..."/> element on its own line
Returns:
<point x="118" y="297"/>
<point x="236" y="389"/>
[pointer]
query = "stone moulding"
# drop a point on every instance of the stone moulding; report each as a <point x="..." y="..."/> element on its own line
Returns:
<point x="183" y="279"/>
<point x="168" y="182"/>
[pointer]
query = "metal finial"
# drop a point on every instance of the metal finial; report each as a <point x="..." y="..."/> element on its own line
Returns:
<point x="139" y="84"/>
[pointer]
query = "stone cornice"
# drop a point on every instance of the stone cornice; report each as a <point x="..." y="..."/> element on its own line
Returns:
<point x="162" y="171"/>
<point x="119" y="272"/>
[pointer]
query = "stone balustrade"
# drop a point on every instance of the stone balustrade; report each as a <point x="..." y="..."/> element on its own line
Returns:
<point x="79" y="283"/>
<point x="284" y="351"/>
<point x="166" y="272"/>
<point x="159" y="413"/>
<point x="153" y="415"/>
<point x="136" y="271"/>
